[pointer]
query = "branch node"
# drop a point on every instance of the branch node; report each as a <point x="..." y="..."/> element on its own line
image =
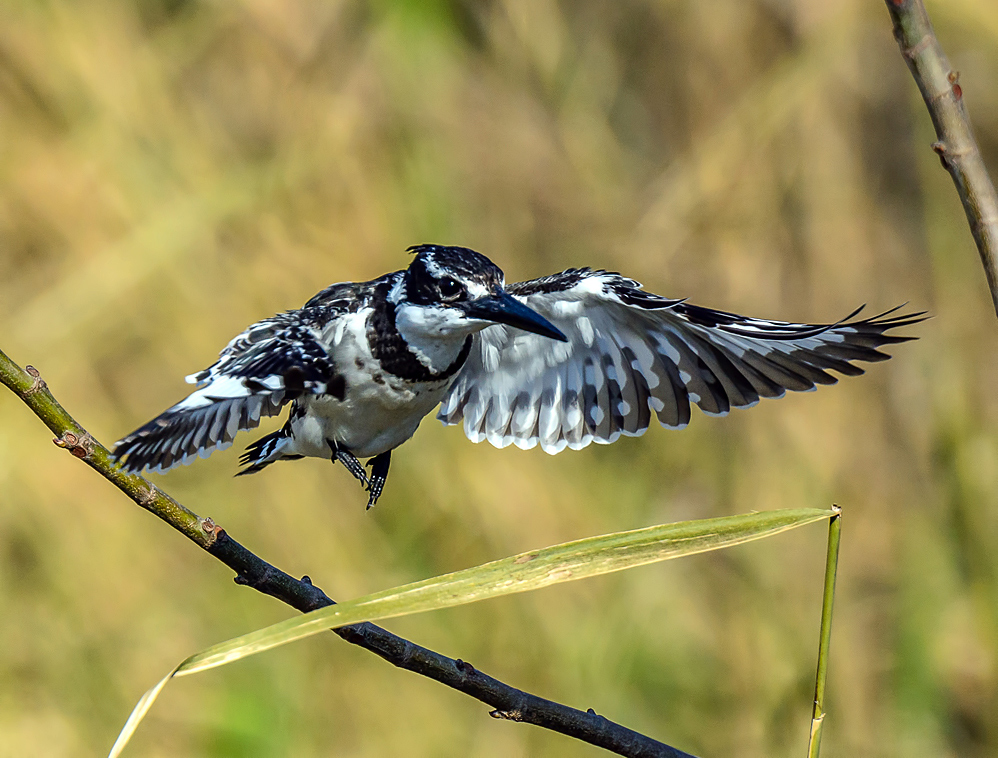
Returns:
<point x="210" y="528"/>
<point x="506" y="715"/>
<point x="38" y="385"/>
<point x="80" y="445"/>
<point x="945" y="157"/>
<point x="934" y="99"/>
<point x="464" y="667"/>
<point x="915" y="50"/>
<point x="306" y="579"/>
<point x="257" y="579"/>
<point x="146" y="496"/>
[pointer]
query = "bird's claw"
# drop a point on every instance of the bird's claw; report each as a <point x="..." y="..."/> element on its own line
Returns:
<point x="350" y="463"/>
<point x="379" y="475"/>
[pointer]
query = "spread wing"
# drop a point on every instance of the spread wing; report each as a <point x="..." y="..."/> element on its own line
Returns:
<point x="631" y="354"/>
<point x="269" y="364"/>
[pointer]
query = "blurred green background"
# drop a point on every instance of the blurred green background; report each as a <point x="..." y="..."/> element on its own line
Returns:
<point x="171" y="171"/>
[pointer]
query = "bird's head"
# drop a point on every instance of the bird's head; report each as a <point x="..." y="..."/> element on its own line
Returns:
<point x="456" y="291"/>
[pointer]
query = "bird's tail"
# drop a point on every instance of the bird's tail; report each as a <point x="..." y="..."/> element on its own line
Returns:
<point x="265" y="451"/>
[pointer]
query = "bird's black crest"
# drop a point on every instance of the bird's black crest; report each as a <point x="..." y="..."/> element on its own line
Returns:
<point x="435" y="262"/>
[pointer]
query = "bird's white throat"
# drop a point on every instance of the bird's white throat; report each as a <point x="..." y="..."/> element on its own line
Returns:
<point x="435" y="335"/>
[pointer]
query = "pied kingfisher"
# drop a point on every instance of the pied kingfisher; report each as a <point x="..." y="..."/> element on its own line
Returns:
<point x="573" y="358"/>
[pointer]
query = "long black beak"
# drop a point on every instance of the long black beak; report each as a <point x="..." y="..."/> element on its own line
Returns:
<point x="505" y="309"/>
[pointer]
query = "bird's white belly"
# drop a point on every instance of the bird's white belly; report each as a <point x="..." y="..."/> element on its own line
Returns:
<point x="367" y="422"/>
<point x="379" y="411"/>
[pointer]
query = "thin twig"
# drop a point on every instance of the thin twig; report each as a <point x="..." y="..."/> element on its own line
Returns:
<point x="508" y="702"/>
<point x="955" y="145"/>
<point x="825" y="638"/>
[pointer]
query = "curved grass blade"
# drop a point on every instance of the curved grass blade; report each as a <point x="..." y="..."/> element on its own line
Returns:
<point x="580" y="559"/>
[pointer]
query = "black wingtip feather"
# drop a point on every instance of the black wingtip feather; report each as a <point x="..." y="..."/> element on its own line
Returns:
<point x="175" y="434"/>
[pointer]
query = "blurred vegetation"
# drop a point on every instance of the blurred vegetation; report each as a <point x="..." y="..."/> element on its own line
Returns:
<point x="172" y="170"/>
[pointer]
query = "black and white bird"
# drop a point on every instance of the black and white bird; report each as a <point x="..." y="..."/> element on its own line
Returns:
<point x="573" y="358"/>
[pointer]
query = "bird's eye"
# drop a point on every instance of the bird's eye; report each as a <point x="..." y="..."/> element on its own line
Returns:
<point x="450" y="289"/>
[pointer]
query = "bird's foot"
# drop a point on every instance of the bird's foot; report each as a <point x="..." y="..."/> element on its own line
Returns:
<point x="350" y="462"/>
<point x="379" y="475"/>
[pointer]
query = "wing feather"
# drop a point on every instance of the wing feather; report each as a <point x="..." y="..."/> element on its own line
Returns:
<point x="631" y="353"/>
<point x="258" y="372"/>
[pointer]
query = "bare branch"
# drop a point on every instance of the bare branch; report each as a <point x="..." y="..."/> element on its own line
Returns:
<point x="956" y="146"/>
<point x="508" y="702"/>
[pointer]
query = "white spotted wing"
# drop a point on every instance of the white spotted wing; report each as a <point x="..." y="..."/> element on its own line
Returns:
<point x="631" y="355"/>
